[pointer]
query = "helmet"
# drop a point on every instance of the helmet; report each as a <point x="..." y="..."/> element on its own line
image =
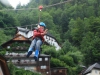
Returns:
<point x="42" y="24"/>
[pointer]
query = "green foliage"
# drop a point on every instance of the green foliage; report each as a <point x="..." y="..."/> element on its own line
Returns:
<point x="66" y="46"/>
<point x="57" y="63"/>
<point x="3" y="37"/>
<point x="75" y="25"/>
<point x="7" y="21"/>
<point x="90" y="46"/>
<point x="76" y="30"/>
<point x="67" y="59"/>
<point x="49" y="51"/>
<point x="47" y="18"/>
<point x="77" y="56"/>
<point x="28" y="19"/>
<point x="2" y="51"/>
<point x="74" y="70"/>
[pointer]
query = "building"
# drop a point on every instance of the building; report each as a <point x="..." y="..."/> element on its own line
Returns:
<point x="58" y="71"/>
<point x="20" y="61"/>
<point x="18" y="46"/>
<point x="92" y="70"/>
<point x="17" y="50"/>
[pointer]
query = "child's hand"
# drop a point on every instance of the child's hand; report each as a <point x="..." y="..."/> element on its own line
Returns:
<point x="46" y="29"/>
<point x="45" y="32"/>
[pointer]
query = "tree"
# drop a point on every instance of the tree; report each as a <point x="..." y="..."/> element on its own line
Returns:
<point x="67" y="59"/>
<point x="3" y="37"/>
<point x="56" y="62"/>
<point x="76" y="30"/>
<point x="49" y="50"/>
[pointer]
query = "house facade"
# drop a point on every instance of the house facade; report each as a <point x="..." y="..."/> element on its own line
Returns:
<point x="17" y="49"/>
<point x="92" y="70"/>
<point x="58" y="71"/>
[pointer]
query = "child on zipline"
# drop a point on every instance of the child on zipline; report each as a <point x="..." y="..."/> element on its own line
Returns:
<point x="38" y="39"/>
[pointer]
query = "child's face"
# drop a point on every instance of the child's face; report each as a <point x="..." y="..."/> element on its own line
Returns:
<point x="42" y="27"/>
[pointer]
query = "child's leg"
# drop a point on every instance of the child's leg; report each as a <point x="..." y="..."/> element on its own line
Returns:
<point x="38" y="45"/>
<point x="30" y="50"/>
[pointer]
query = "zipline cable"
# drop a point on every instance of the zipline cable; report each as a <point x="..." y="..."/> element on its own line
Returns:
<point x="37" y="7"/>
<point x="32" y="9"/>
<point x="57" y="3"/>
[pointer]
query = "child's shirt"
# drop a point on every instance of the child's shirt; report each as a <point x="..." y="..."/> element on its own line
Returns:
<point x="37" y="33"/>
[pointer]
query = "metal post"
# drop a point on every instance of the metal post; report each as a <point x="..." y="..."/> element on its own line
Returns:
<point x="39" y="16"/>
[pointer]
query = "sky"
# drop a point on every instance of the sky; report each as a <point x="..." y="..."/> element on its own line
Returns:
<point x="14" y="3"/>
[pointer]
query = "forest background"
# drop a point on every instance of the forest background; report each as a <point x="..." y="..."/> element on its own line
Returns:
<point x="75" y="24"/>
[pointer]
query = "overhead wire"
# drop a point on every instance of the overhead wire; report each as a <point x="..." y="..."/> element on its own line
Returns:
<point x="57" y="3"/>
<point x="37" y="7"/>
<point x="32" y="9"/>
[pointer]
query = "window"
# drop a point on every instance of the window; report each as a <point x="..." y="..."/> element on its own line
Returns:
<point x="8" y="47"/>
<point x="60" y="71"/>
<point x="43" y="67"/>
<point x="46" y="59"/>
<point x="55" y="70"/>
<point x="40" y="59"/>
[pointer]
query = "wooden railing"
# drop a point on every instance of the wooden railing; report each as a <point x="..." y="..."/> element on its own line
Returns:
<point x="24" y="63"/>
<point x="19" y="48"/>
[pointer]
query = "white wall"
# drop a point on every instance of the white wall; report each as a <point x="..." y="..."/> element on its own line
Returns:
<point x="94" y="72"/>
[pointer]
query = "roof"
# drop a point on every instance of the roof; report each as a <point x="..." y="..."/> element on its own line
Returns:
<point x="27" y="34"/>
<point x="12" y="41"/>
<point x="89" y="69"/>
